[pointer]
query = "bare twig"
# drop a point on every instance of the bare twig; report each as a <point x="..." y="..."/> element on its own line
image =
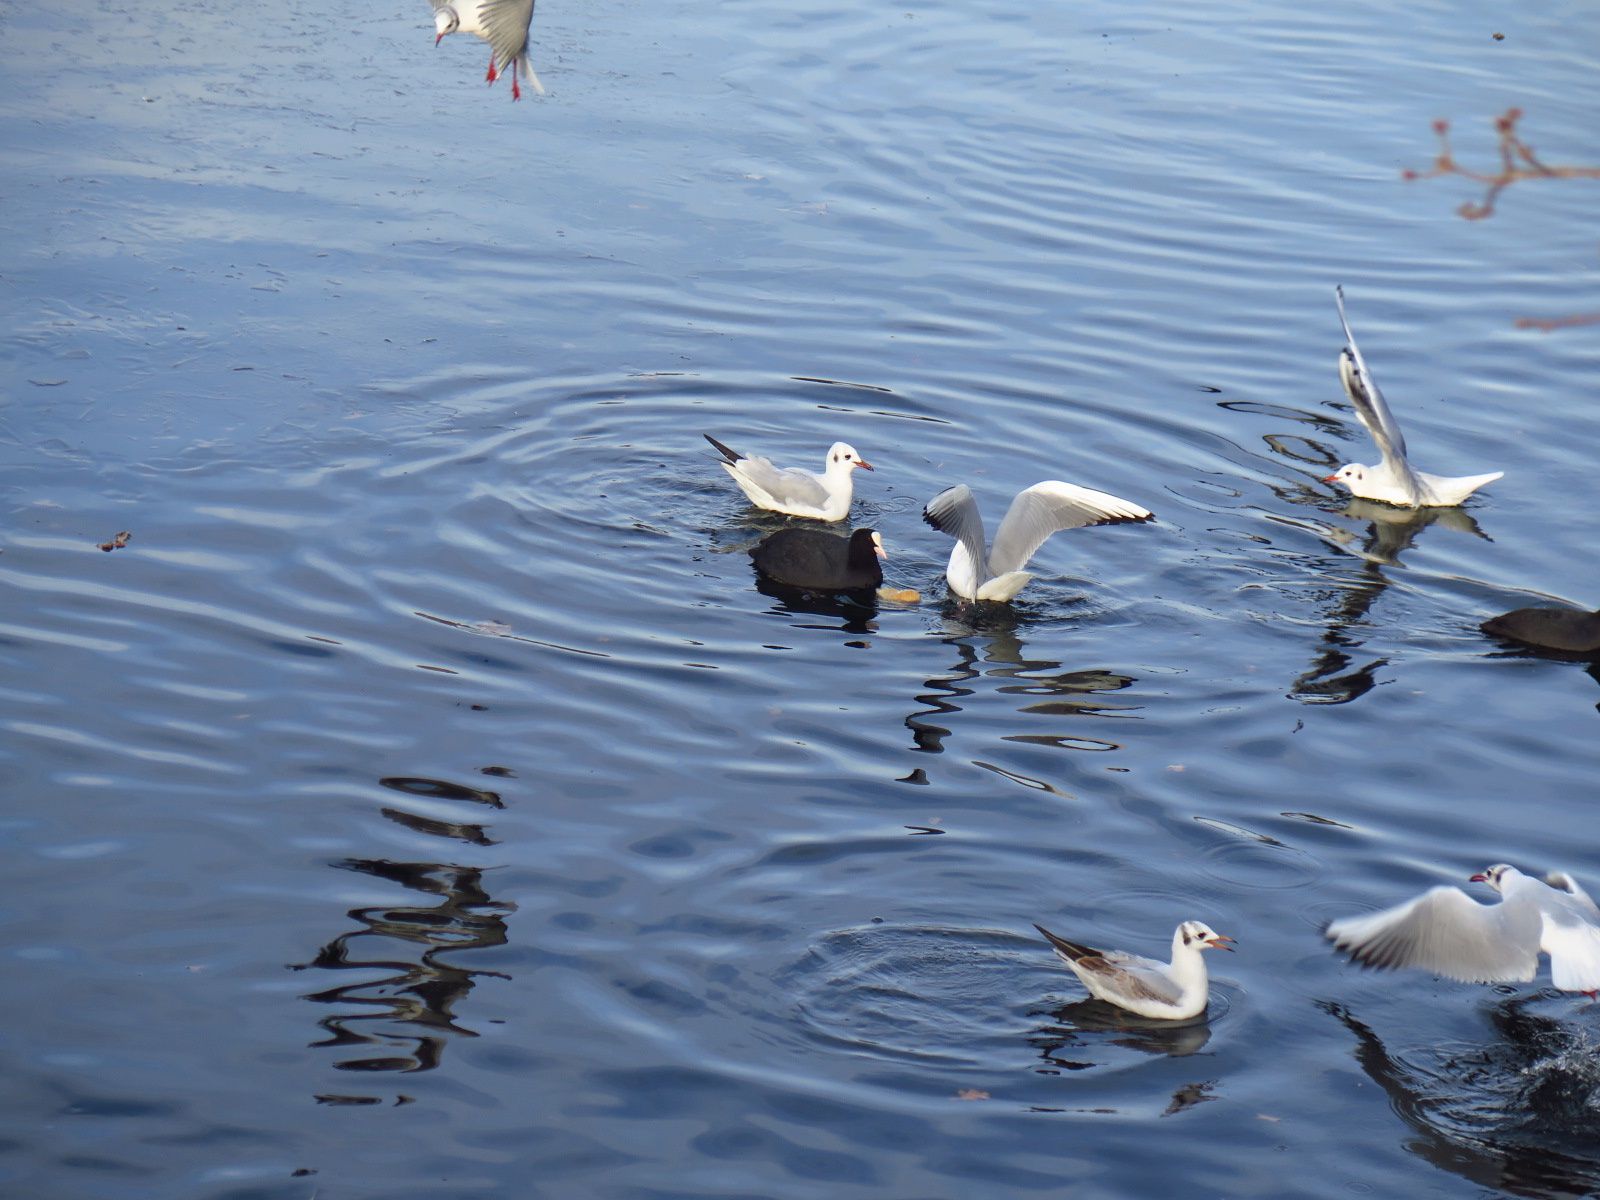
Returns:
<point x="1517" y="161"/>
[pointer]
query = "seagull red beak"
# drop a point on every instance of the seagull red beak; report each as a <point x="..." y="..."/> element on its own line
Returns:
<point x="437" y="40"/>
<point x="1216" y="943"/>
<point x="1480" y="877"/>
<point x="864" y="464"/>
<point x="1330" y="479"/>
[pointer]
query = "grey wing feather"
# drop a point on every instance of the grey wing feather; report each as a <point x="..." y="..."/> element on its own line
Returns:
<point x="1048" y="508"/>
<point x="790" y="485"/>
<point x="505" y="27"/>
<point x="1364" y="394"/>
<point x="955" y="512"/>
<point x="1133" y="976"/>
<point x="438" y="4"/>
<point x="1447" y="932"/>
<point x="1563" y="882"/>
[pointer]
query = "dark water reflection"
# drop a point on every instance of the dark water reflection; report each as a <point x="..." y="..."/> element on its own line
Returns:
<point x="1515" y="1111"/>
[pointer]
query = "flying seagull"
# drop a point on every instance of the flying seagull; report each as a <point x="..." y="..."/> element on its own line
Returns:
<point x="976" y="572"/>
<point x="501" y="23"/>
<point x="1447" y="932"/>
<point x="1394" y="480"/>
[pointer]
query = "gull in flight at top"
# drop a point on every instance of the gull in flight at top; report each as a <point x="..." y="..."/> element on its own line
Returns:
<point x="1172" y="991"/>
<point x="501" y="23"/>
<point x="1446" y="931"/>
<point x="977" y="572"/>
<point x="799" y="493"/>
<point x="1394" y="480"/>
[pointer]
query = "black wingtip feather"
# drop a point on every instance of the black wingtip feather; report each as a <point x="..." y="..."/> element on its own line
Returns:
<point x="728" y="453"/>
<point x="1072" y="950"/>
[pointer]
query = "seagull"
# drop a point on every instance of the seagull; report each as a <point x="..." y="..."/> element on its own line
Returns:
<point x="799" y="493"/>
<point x="820" y="561"/>
<point x="1566" y="630"/>
<point x="501" y="23"/>
<point x="1145" y="986"/>
<point x="1394" y="480"/>
<point x="1035" y="514"/>
<point x="1447" y="932"/>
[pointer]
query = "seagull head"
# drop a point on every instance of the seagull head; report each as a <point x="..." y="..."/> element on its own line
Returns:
<point x="1350" y="474"/>
<point x="445" y="20"/>
<point x="842" y="459"/>
<point x="1201" y="936"/>
<point x="1494" y="876"/>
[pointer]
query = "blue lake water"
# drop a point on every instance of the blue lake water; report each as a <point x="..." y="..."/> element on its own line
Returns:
<point x="426" y="802"/>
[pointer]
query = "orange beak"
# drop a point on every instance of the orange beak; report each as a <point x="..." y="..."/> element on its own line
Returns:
<point x="863" y="464"/>
<point x="1216" y="943"/>
<point x="1480" y="877"/>
<point x="1330" y="479"/>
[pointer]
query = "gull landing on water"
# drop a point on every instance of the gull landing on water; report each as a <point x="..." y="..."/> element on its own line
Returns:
<point x="1171" y="991"/>
<point x="501" y="23"/>
<point x="977" y="572"/>
<point x="1394" y="480"/>
<point x="799" y="493"/>
<point x="1447" y="932"/>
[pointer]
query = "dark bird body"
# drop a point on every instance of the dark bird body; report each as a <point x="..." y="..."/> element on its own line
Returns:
<point x="822" y="562"/>
<point x="1568" y="630"/>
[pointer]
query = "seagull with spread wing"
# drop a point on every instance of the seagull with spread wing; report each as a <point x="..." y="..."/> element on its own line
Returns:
<point x="501" y="23"/>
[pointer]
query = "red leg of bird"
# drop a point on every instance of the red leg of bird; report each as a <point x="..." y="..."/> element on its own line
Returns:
<point x="493" y="74"/>
<point x="516" y="92"/>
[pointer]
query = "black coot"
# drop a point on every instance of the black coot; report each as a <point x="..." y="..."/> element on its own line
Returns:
<point x="822" y="562"/>
<point x="1568" y="630"/>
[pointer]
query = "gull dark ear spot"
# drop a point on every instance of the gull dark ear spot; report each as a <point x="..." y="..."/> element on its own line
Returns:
<point x="1186" y="938"/>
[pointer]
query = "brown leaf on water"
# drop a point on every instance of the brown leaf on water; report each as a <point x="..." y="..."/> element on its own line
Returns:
<point x="116" y="543"/>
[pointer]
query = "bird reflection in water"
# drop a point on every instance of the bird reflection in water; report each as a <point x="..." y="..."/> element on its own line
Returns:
<point x="413" y="1006"/>
<point x="1517" y="1114"/>
<point x="1072" y="1039"/>
<point x="992" y="647"/>
<point x="1390" y="532"/>
<point x="856" y="611"/>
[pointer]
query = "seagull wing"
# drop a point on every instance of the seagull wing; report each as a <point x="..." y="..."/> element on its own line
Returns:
<point x="1446" y="931"/>
<point x="1573" y="944"/>
<point x="1364" y="394"/>
<point x="1132" y="977"/>
<point x="1563" y="882"/>
<point x="787" y="485"/>
<point x="1048" y="508"/>
<point x="955" y="512"/>
<point x="505" y="27"/>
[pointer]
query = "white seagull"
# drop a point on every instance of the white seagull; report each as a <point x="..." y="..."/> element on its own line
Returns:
<point x="1145" y="986"/>
<point x="1447" y="932"/>
<point x="501" y="23"/>
<point x="977" y="572"/>
<point x="1394" y="480"/>
<point x="791" y="490"/>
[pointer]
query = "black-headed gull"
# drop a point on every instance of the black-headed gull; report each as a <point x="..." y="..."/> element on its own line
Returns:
<point x="820" y="561"/>
<point x="1446" y="931"/>
<point x="1145" y="986"/>
<point x="1394" y="480"/>
<point x="1565" y="630"/>
<point x="791" y="490"/>
<point x="501" y="23"/>
<point x="980" y="572"/>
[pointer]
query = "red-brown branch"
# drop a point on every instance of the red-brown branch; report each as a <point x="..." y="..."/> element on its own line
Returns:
<point x="1517" y="162"/>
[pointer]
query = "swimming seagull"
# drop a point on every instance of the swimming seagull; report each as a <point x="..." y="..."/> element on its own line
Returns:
<point x="1447" y="932"/>
<point x="1394" y="480"/>
<point x="1142" y="985"/>
<point x="501" y="23"/>
<point x="1045" y="508"/>
<point x="799" y="493"/>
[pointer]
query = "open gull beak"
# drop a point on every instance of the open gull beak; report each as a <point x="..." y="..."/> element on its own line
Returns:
<point x="1480" y="877"/>
<point x="1217" y="943"/>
